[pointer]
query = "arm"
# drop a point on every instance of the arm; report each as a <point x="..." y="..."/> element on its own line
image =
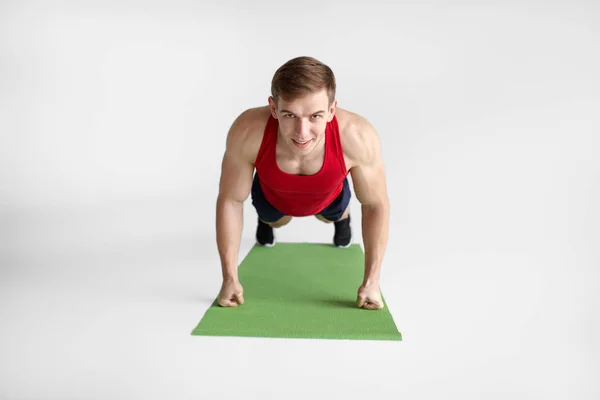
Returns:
<point x="234" y="188"/>
<point x="368" y="177"/>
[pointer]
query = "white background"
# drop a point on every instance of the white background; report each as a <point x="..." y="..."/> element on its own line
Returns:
<point x="113" y="118"/>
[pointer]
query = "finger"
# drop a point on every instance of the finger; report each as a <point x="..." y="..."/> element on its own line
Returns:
<point x="239" y="297"/>
<point x="373" y="305"/>
<point x="227" y="303"/>
<point x="360" y="302"/>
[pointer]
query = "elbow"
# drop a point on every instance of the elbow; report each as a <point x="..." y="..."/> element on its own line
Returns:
<point x="380" y="206"/>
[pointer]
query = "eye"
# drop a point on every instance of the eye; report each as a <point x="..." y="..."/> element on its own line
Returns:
<point x="289" y="115"/>
<point x="316" y="116"/>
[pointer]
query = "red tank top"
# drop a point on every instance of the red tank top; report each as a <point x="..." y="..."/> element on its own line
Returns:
<point x="301" y="195"/>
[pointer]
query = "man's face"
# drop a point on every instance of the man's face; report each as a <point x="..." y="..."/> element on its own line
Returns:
<point x="302" y="121"/>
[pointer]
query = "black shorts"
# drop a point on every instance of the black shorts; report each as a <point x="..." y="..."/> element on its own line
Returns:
<point x="268" y="213"/>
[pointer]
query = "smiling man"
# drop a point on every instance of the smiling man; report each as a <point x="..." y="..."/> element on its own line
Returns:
<point x="293" y="156"/>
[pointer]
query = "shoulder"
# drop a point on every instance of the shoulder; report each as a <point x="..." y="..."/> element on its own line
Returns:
<point x="360" y="141"/>
<point x="246" y="132"/>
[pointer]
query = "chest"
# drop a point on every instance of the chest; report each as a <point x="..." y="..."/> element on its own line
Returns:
<point x="309" y="165"/>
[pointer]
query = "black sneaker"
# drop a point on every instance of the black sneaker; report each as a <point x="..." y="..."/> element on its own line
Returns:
<point x="264" y="234"/>
<point x="343" y="233"/>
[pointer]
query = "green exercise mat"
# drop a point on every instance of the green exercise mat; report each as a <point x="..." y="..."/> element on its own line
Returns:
<point x="300" y="290"/>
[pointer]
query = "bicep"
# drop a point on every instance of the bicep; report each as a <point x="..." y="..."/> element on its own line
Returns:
<point x="370" y="183"/>
<point x="236" y="167"/>
<point x="236" y="177"/>
<point x="368" y="175"/>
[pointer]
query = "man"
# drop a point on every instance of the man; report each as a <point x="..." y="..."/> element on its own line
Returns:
<point x="302" y="147"/>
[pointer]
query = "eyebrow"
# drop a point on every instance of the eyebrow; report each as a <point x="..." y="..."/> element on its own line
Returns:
<point x="317" y="112"/>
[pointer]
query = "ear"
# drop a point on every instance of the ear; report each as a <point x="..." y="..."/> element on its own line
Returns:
<point x="332" y="110"/>
<point x="272" y="107"/>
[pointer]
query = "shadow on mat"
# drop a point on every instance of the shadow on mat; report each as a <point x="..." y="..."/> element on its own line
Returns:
<point x="337" y="303"/>
<point x="328" y="303"/>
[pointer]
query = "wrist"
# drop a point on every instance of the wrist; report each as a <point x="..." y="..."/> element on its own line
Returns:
<point x="371" y="281"/>
<point x="230" y="275"/>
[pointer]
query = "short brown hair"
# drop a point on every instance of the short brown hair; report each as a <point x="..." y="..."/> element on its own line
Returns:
<point x="302" y="75"/>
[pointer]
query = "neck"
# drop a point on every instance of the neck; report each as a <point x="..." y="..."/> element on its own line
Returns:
<point x="318" y="146"/>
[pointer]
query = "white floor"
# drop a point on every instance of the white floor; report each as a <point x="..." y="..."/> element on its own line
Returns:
<point x="99" y="304"/>
<point x="113" y="118"/>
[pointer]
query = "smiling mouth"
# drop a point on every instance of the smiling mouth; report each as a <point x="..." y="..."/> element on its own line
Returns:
<point x="301" y="144"/>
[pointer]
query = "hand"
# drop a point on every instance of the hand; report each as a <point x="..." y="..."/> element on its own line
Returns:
<point x="369" y="296"/>
<point x="232" y="293"/>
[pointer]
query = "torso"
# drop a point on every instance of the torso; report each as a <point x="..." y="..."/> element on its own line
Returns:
<point x="288" y="164"/>
<point x="307" y="166"/>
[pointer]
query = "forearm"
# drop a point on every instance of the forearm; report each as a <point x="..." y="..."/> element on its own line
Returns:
<point x="229" y="231"/>
<point x="375" y="226"/>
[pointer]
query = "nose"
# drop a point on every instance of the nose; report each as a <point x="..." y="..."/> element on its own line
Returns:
<point x="303" y="128"/>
